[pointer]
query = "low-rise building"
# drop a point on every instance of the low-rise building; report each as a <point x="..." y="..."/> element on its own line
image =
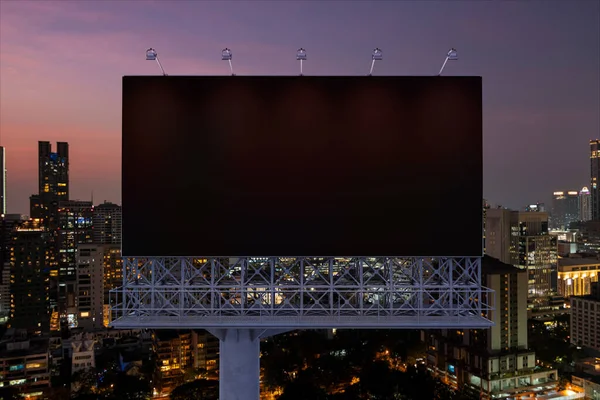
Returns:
<point x="585" y="321"/>
<point x="25" y="364"/>
<point x="83" y="353"/>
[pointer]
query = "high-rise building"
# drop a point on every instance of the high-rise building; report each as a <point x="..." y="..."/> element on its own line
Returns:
<point x="565" y="209"/>
<point x="501" y="234"/>
<point x="90" y="287"/>
<point x="522" y="239"/>
<point x="2" y="181"/>
<point x="595" y="176"/>
<point x="113" y="276"/>
<point x="495" y="362"/>
<point x="107" y="223"/>
<point x="585" y="204"/>
<point x="538" y="254"/>
<point x="8" y="223"/>
<point x="29" y="278"/>
<point x="74" y="219"/>
<point x="53" y="181"/>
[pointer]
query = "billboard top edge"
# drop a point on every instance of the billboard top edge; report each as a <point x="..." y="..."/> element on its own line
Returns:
<point x="306" y="76"/>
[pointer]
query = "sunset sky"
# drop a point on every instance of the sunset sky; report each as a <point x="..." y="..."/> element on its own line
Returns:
<point x="61" y="65"/>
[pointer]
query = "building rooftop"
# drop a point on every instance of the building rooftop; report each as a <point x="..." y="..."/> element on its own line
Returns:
<point x="492" y="266"/>
<point x="21" y="348"/>
<point x="574" y="261"/>
<point x="588" y="297"/>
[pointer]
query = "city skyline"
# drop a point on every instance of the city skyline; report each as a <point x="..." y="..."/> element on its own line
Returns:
<point x="62" y="62"/>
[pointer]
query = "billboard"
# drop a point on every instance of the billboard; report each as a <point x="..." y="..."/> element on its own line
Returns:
<point x="226" y="166"/>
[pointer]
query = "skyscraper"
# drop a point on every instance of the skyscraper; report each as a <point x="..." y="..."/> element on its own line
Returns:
<point x="565" y="209"/>
<point x="74" y="222"/>
<point x="53" y="181"/>
<point x="585" y="204"/>
<point x="2" y="181"/>
<point x="595" y="175"/>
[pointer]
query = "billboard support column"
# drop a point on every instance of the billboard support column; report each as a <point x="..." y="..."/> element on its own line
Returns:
<point x="239" y="362"/>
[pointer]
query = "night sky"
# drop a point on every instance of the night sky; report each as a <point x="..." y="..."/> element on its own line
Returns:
<point x="61" y="65"/>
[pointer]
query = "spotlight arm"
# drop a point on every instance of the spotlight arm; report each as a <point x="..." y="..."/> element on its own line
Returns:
<point x="376" y="56"/>
<point x="227" y="55"/>
<point x="452" y="55"/>
<point x="301" y="56"/>
<point x="160" y="65"/>
<point x="152" y="55"/>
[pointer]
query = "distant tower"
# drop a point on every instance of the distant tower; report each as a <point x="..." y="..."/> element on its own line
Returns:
<point x="2" y="181"/>
<point x="54" y="170"/>
<point x="595" y="175"/>
<point x="585" y="204"/>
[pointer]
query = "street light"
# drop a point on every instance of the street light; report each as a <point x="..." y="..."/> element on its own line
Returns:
<point x="376" y="56"/>
<point x="152" y="55"/>
<point x="451" y="56"/>
<point x="301" y="56"/>
<point x="226" y="56"/>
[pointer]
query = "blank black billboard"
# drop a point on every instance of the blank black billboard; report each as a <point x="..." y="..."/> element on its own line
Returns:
<point x="226" y="166"/>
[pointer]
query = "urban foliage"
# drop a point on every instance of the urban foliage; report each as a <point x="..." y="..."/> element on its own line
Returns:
<point x="200" y="389"/>
<point x="551" y="342"/>
<point x="352" y="365"/>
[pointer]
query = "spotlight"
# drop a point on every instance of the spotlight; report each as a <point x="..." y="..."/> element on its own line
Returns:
<point x="226" y="55"/>
<point x="152" y="55"/>
<point x="451" y="56"/>
<point x="301" y="56"/>
<point x="376" y="56"/>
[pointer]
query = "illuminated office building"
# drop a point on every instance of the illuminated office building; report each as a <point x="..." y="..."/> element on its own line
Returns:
<point x="8" y="223"/>
<point x="53" y="181"/>
<point x="74" y="229"/>
<point x="29" y="278"/>
<point x="112" y="276"/>
<point x="2" y="181"/>
<point x="576" y="275"/>
<point x="595" y="175"/>
<point x="107" y="223"/>
<point x="565" y="209"/>
<point x="585" y="204"/>
<point x="90" y="287"/>
<point x="522" y="239"/>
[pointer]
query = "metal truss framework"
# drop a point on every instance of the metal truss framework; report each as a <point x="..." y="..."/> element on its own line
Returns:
<point x="290" y="293"/>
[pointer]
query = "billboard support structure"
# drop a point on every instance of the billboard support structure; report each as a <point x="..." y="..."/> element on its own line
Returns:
<point x="241" y="300"/>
